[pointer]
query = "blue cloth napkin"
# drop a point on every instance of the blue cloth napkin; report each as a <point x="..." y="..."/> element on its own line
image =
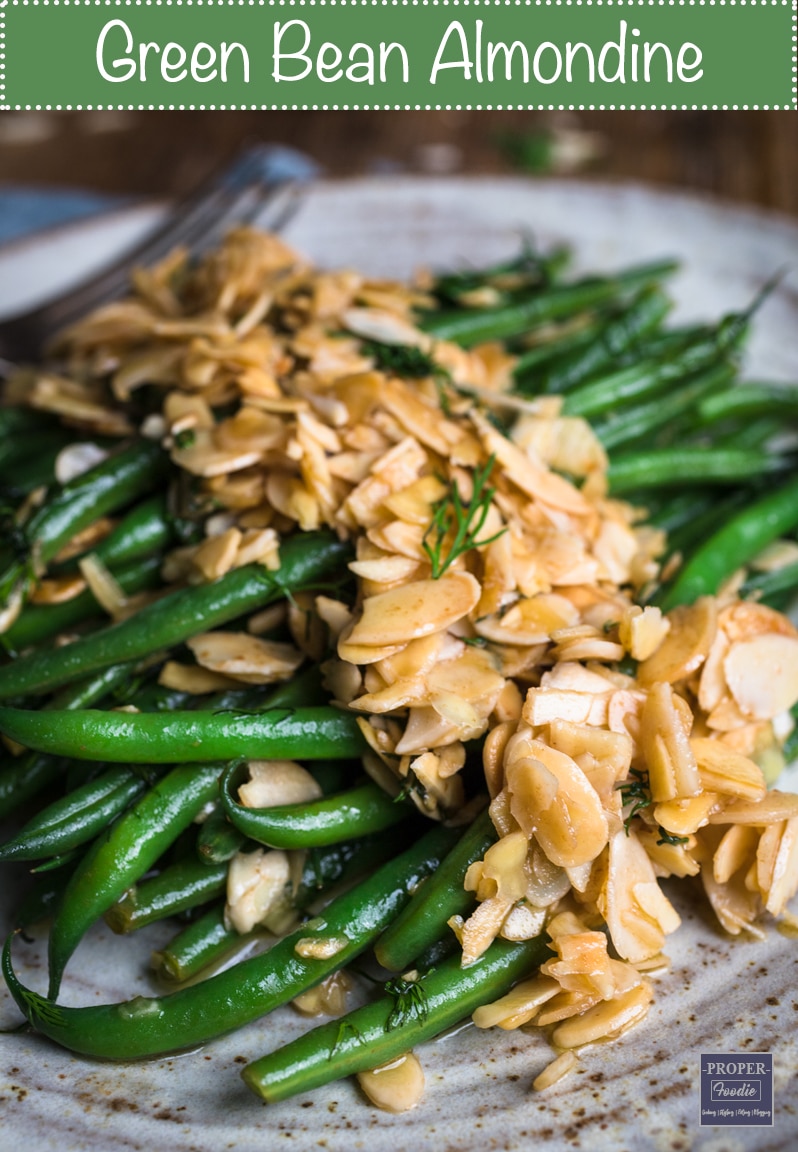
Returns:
<point x="26" y="210"/>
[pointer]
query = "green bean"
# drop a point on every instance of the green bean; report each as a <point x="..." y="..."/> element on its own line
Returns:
<point x="632" y="424"/>
<point x="207" y="940"/>
<point x="616" y="336"/>
<point x="677" y="467"/>
<point x="425" y="918"/>
<point x="685" y="538"/>
<point x="176" y="617"/>
<point x="41" y="900"/>
<point x="76" y="818"/>
<point x="125" y="852"/>
<point x="317" y="823"/>
<point x="763" y="585"/>
<point x="28" y="774"/>
<point x="183" y="885"/>
<point x="145" y="530"/>
<point x="40" y="622"/>
<point x="108" y="486"/>
<point x="472" y="326"/>
<point x="218" y="840"/>
<point x="740" y="540"/>
<point x="17" y="449"/>
<point x="148" y="1027"/>
<point x="196" y="947"/>
<point x="386" y="1029"/>
<point x="164" y="738"/>
<point x="529" y="270"/>
<point x="16" y="418"/>
<point x="747" y="400"/>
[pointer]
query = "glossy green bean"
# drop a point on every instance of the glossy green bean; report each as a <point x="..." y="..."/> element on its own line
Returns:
<point x="184" y="885"/>
<point x="203" y="942"/>
<point x="149" y="1027"/>
<point x="28" y="774"/>
<point x="124" y="853"/>
<point x="174" y="618"/>
<point x="472" y="326"/>
<point x="357" y="812"/>
<point x="373" y="1035"/>
<point x="207" y="940"/>
<point x="108" y="486"/>
<point x="163" y="738"/>
<point x="218" y="840"/>
<point x="641" y="420"/>
<point x="677" y="467"/>
<point x="143" y="531"/>
<point x="425" y="918"/>
<point x="739" y="540"/>
<point x="616" y="336"/>
<point x="76" y="818"/>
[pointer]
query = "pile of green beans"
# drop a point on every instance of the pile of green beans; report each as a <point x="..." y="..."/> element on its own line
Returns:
<point x="112" y="798"/>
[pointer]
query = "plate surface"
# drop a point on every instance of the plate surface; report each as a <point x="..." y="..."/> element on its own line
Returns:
<point x="722" y="995"/>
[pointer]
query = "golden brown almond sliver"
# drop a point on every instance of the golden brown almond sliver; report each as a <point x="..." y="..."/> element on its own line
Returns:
<point x="686" y="646"/>
<point x="723" y="770"/>
<point x="415" y="610"/>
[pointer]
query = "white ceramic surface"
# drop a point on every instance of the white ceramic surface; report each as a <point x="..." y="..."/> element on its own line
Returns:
<point x="639" y="1094"/>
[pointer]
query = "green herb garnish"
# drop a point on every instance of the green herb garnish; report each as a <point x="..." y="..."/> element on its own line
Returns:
<point x="462" y="523"/>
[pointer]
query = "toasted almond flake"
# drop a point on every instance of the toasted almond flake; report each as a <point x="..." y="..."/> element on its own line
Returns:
<point x="414" y="610"/>
<point x="394" y="1087"/>
<point x="217" y="554"/>
<point x="773" y="806"/>
<point x="687" y="645"/>
<point x="275" y="782"/>
<point x="320" y="947"/>
<point x="267" y="620"/>
<point x="558" y="1068"/>
<point x="672" y="769"/>
<point x="190" y="678"/>
<point x="58" y="590"/>
<point x="723" y="770"/>
<point x="245" y="657"/>
<point x="543" y="705"/>
<point x="325" y="999"/>
<point x="683" y="817"/>
<point x="257" y="884"/>
<point x="523" y="1001"/>
<point x="605" y="1020"/>
<point x="642" y="630"/>
<point x="762" y="674"/>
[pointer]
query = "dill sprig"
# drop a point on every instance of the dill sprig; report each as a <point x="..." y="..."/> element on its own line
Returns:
<point x="403" y="359"/>
<point x="410" y="1002"/>
<point x="668" y="838"/>
<point x="461" y="523"/>
<point x="635" y="791"/>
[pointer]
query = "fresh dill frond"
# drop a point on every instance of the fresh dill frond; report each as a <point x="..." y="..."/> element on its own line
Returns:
<point x="344" y="1028"/>
<point x="459" y="524"/>
<point x="410" y="1002"/>
<point x="635" y="791"/>
<point x="403" y="359"/>
<point x="667" y="838"/>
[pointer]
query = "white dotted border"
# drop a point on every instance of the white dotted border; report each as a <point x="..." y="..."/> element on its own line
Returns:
<point x="4" y="4"/>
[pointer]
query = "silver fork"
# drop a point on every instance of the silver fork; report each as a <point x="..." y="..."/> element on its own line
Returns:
<point x="237" y="195"/>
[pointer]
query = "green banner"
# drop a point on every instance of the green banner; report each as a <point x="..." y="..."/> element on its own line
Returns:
<point x="397" y="54"/>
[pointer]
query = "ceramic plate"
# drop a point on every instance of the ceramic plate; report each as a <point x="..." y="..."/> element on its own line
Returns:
<point x="721" y="995"/>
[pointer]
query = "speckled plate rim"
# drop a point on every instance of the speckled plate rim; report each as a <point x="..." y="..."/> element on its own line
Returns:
<point x="639" y="1094"/>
